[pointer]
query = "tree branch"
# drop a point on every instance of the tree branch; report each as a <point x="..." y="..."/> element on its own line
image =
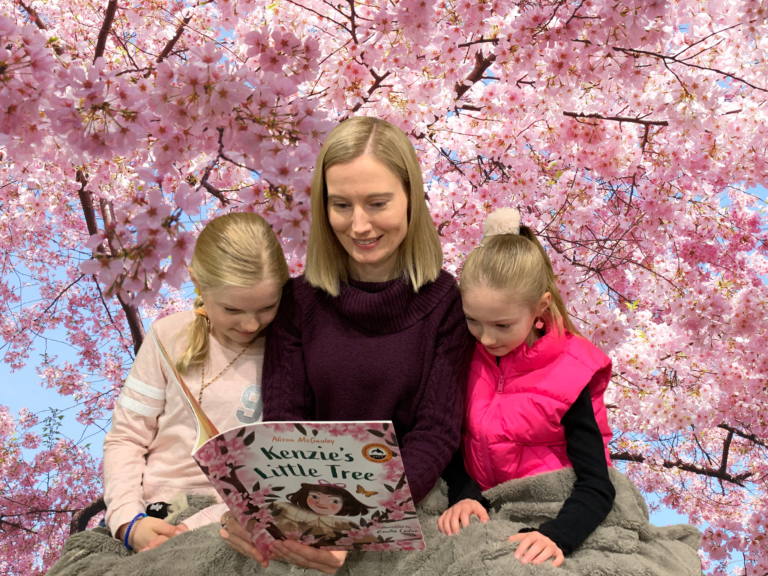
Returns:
<point x="172" y="42"/>
<point x="33" y="15"/>
<point x="634" y="52"/>
<point x="481" y="65"/>
<point x="86" y="199"/>
<point x="81" y="518"/>
<point x="106" y="26"/>
<point x="720" y="474"/>
<point x="375" y="86"/>
<point x="480" y="41"/>
<point x="726" y="448"/>
<point x="618" y="119"/>
<point x="17" y="526"/>
<point x="745" y="435"/>
<point x="450" y="219"/>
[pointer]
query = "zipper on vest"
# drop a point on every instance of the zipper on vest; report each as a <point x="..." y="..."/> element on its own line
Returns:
<point x="500" y="384"/>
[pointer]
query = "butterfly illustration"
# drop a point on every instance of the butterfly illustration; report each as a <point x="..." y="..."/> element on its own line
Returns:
<point x="368" y="493"/>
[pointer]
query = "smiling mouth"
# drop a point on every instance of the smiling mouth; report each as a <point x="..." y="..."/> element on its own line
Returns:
<point x="367" y="242"/>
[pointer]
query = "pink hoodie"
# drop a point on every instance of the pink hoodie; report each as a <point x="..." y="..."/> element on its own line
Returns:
<point x="513" y="411"/>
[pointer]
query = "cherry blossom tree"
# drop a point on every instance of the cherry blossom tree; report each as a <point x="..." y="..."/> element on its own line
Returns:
<point x="628" y="133"/>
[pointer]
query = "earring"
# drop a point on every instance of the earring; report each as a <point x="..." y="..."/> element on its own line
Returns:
<point x="539" y="324"/>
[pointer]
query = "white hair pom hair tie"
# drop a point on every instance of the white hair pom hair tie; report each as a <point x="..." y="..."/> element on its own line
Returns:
<point x="502" y="221"/>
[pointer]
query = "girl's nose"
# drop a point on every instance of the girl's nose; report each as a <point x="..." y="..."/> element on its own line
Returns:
<point x="251" y="325"/>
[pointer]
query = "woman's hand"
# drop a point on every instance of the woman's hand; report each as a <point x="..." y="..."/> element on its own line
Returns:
<point x="305" y="556"/>
<point x="239" y="539"/>
<point x="539" y="549"/>
<point x="147" y="533"/>
<point x="457" y="516"/>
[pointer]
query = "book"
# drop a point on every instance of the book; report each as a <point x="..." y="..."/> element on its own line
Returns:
<point x="330" y="485"/>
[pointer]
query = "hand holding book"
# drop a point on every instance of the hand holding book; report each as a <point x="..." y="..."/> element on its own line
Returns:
<point x="296" y="553"/>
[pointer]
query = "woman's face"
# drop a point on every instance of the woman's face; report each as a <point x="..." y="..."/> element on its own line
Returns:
<point x="324" y="504"/>
<point x="368" y="211"/>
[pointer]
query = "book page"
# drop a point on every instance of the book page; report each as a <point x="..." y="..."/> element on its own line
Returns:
<point x="330" y="485"/>
<point x="205" y="428"/>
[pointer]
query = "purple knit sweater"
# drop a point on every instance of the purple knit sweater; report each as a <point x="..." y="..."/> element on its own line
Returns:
<point x="378" y="351"/>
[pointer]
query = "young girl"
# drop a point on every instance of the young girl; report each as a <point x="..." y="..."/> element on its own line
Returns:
<point x="317" y="508"/>
<point x="535" y="393"/>
<point x="238" y="269"/>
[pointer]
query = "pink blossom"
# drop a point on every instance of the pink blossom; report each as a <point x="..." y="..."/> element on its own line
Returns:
<point x="638" y="172"/>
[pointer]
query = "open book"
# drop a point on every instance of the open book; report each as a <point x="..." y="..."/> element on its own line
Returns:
<point x="331" y="485"/>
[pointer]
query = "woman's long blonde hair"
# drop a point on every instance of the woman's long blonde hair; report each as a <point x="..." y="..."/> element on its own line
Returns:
<point x="518" y="265"/>
<point x="237" y="249"/>
<point x="421" y="256"/>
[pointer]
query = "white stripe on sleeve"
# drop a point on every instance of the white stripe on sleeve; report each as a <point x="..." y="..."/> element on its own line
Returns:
<point x="139" y="386"/>
<point x="138" y="407"/>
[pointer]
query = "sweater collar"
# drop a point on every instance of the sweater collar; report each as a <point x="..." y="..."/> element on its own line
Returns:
<point x="392" y="306"/>
<point x="526" y="358"/>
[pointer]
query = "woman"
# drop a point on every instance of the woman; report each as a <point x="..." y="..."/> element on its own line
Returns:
<point x="374" y="330"/>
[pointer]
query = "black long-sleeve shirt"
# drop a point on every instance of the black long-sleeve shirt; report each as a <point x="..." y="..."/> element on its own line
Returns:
<point x="593" y="493"/>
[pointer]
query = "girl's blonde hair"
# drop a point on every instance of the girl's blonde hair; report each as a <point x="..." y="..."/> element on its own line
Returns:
<point x="518" y="264"/>
<point x="420" y="255"/>
<point x="237" y="249"/>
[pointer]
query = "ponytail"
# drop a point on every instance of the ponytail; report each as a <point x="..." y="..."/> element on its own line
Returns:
<point x="511" y="258"/>
<point x="556" y="305"/>
<point x="197" y="339"/>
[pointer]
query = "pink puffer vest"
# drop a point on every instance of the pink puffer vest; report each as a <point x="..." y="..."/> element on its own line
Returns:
<point x="513" y="414"/>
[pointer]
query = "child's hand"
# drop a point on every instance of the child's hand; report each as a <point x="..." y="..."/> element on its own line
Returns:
<point x="539" y="549"/>
<point x="148" y="531"/>
<point x="155" y="542"/>
<point x="457" y="516"/>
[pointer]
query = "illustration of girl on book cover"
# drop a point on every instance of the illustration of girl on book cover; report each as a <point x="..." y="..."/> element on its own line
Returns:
<point x="322" y="510"/>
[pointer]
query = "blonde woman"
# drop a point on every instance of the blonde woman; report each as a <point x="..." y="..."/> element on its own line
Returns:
<point x="374" y="330"/>
<point x="239" y="270"/>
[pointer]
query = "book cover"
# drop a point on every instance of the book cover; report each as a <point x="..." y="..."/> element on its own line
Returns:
<point x="331" y="485"/>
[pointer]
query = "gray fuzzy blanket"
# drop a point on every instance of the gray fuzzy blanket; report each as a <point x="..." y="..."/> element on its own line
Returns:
<point x="625" y="544"/>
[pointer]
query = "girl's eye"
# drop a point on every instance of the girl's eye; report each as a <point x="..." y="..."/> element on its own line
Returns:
<point x="231" y="310"/>
<point x="379" y="204"/>
<point x="340" y="205"/>
<point x="502" y="326"/>
<point x="314" y="497"/>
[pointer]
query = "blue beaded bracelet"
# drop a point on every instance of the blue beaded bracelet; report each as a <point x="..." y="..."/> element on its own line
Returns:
<point x="128" y="530"/>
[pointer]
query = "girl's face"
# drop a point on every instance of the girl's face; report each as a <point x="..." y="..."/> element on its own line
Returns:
<point x="368" y="211"/>
<point x="498" y="321"/>
<point x="238" y="315"/>
<point x="324" y="504"/>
